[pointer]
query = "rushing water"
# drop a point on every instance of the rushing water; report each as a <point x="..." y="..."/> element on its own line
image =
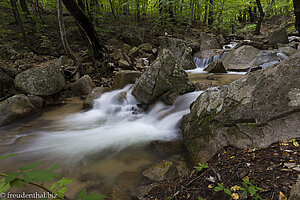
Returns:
<point x="115" y="123"/>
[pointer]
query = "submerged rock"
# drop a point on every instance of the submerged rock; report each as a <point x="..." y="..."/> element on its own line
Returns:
<point x="83" y="86"/>
<point x="182" y="53"/>
<point x="17" y="107"/>
<point x="158" y="171"/>
<point x="46" y="80"/>
<point x="163" y="76"/>
<point x="244" y="114"/>
<point x="94" y="94"/>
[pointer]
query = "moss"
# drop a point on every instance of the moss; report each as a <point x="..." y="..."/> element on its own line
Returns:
<point x="233" y="130"/>
<point x="234" y="105"/>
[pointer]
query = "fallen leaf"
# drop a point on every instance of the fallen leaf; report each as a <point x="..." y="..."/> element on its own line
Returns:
<point x="235" y="196"/>
<point x="210" y="186"/>
<point x="232" y="157"/>
<point x="276" y="154"/>
<point x="296" y="144"/>
<point x="282" y="196"/>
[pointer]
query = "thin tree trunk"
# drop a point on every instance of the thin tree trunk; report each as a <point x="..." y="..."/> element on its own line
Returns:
<point x="138" y="12"/>
<point x="63" y="34"/>
<point x="220" y="15"/>
<point x="112" y="10"/>
<point x="24" y="7"/>
<point x="297" y="14"/>
<point x="210" y="13"/>
<point x="21" y="26"/>
<point x="206" y="10"/>
<point x="192" y="11"/>
<point x="82" y="20"/>
<point x="260" y="19"/>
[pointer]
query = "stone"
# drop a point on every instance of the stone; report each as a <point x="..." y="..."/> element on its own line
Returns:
<point x="216" y="67"/>
<point x="36" y="101"/>
<point x="208" y="41"/>
<point x="94" y="94"/>
<point x="288" y="51"/>
<point x="141" y="193"/>
<point x="133" y="36"/>
<point x="244" y="114"/>
<point x="158" y="171"/>
<point x="124" y="64"/>
<point x="240" y="59"/>
<point x="62" y="61"/>
<point x="117" y="54"/>
<point x="195" y="46"/>
<point x="295" y="192"/>
<point x="45" y="80"/>
<point x="210" y="76"/>
<point x="7" y="87"/>
<point x="125" y="77"/>
<point x="124" y="183"/>
<point x="19" y="62"/>
<point x="16" y="107"/>
<point x="146" y="47"/>
<point x="180" y="50"/>
<point x="126" y="48"/>
<point x="278" y="36"/>
<point x="83" y="86"/>
<point x="209" y="53"/>
<point x="134" y="52"/>
<point x="163" y="76"/>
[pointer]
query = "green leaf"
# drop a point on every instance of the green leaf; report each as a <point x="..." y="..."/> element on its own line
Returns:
<point x="252" y="190"/>
<point x="17" y="182"/>
<point x="11" y="176"/>
<point x="246" y="181"/>
<point x="7" y="156"/>
<point x="62" y="182"/>
<point x="169" y="198"/>
<point x="30" y="166"/>
<point x="259" y="189"/>
<point x="39" y="175"/>
<point x="4" y="186"/>
<point x="244" y="194"/>
<point x="217" y="189"/>
<point x="227" y="191"/>
<point x="220" y="185"/>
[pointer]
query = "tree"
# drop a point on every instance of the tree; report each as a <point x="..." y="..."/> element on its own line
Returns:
<point x="260" y="19"/>
<point x="85" y="23"/>
<point x="63" y="34"/>
<point x="297" y="14"/>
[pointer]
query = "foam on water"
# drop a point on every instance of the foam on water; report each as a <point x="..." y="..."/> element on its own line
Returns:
<point x="111" y="125"/>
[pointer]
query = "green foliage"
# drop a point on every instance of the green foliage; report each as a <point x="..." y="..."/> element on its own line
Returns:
<point x="220" y="187"/>
<point x="201" y="166"/>
<point x="32" y="175"/>
<point x="251" y="189"/>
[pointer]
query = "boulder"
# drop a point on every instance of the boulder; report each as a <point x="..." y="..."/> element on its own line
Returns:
<point x="209" y="53"/>
<point x="124" y="64"/>
<point x="125" y="77"/>
<point x="146" y="47"/>
<point x="133" y="36"/>
<point x="45" y="80"/>
<point x="94" y="94"/>
<point x="7" y="87"/>
<point x="245" y="114"/>
<point x="141" y="193"/>
<point x="210" y="76"/>
<point x="195" y="46"/>
<point x="240" y="59"/>
<point x="158" y="171"/>
<point x="180" y="50"/>
<point x="278" y="36"/>
<point x="83" y="86"/>
<point x="216" y="67"/>
<point x="208" y="41"/>
<point x="16" y="107"/>
<point x="163" y="76"/>
<point x="288" y="51"/>
<point x="295" y="192"/>
<point x="134" y="52"/>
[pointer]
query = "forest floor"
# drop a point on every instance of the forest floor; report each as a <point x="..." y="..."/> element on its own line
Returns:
<point x="269" y="169"/>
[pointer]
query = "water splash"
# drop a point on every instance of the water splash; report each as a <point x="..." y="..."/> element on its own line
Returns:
<point x="115" y="123"/>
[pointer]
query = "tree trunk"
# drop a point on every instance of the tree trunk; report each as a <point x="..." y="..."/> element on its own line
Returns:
<point x="210" y="13"/>
<point x="138" y="12"/>
<point x="24" y="7"/>
<point x="297" y="14"/>
<point x="112" y="9"/>
<point x="63" y="34"/>
<point x="206" y="9"/>
<point x="21" y="26"/>
<point x="82" y="20"/>
<point x="260" y="19"/>
<point x="192" y="11"/>
<point x="220" y="15"/>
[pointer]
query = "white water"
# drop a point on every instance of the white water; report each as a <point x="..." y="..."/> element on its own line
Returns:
<point x="110" y="127"/>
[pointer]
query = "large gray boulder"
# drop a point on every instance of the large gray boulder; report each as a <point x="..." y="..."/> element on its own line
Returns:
<point x="240" y="59"/>
<point x="208" y="41"/>
<point x="17" y="107"/>
<point x="45" y="80"/>
<point x="164" y="76"/>
<point x="7" y="87"/>
<point x="278" y="36"/>
<point x="180" y="50"/>
<point x="255" y="111"/>
<point x="216" y="67"/>
<point x="83" y="86"/>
